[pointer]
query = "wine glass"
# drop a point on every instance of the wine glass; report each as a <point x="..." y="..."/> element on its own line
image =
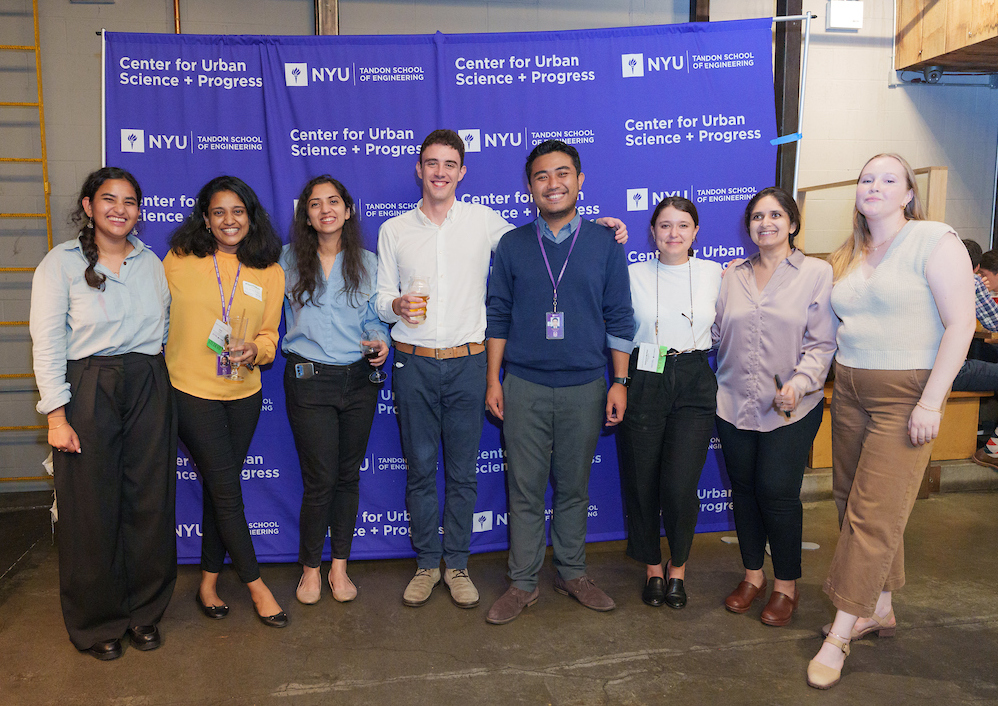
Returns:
<point x="370" y="352"/>
<point x="419" y="286"/>
<point x="235" y="341"/>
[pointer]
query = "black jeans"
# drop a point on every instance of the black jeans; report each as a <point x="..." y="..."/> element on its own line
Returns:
<point x="663" y="444"/>
<point x="766" y="469"/>
<point x="117" y="524"/>
<point x="217" y="434"/>
<point x="330" y="415"/>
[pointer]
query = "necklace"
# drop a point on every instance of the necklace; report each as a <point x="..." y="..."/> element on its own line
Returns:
<point x="875" y="248"/>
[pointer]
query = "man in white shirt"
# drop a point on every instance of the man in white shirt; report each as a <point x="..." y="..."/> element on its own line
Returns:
<point x="439" y="373"/>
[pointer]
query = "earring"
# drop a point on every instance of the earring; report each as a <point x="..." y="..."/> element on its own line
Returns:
<point x="90" y="224"/>
<point x="135" y="231"/>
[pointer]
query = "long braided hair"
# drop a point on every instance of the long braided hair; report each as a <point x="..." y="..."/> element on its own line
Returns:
<point x="81" y="220"/>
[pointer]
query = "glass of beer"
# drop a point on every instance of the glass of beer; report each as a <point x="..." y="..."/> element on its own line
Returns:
<point x="419" y="286"/>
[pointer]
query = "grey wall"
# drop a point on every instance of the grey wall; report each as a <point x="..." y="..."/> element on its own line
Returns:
<point x="852" y="112"/>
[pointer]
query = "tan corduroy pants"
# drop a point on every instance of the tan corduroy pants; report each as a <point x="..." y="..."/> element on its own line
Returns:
<point x="876" y="473"/>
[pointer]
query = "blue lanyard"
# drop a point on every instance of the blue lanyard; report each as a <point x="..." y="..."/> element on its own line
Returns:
<point x="226" y="309"/>
<point x="554" y="284"/>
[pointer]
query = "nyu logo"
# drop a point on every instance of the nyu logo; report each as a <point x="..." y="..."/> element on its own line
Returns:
<point x="632" y="65"/>
<point x="482" y="522"/>
<point x="472" y="140"/>
<point x="296" y="74"/>
<point x="133" y="140"/>
<point x="637" y="199"/>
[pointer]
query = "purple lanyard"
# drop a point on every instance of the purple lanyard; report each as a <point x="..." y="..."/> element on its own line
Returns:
<point x="226" y="309"/>
<point x="547" y="264"/>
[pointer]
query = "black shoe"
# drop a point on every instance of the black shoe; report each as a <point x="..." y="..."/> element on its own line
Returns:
<point x="274" y="621"/>
<point x="654" y="593"/>
<point x="106" y="650"/>
<point x="215" y="612"/>
<point x="144" y="637"/>
<point x="675" y="594"/>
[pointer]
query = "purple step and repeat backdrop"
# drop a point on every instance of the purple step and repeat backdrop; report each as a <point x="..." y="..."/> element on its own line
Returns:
<point x="654" y="111"/>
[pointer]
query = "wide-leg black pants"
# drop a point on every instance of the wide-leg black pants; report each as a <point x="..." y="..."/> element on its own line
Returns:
<point x="117" y="523"/>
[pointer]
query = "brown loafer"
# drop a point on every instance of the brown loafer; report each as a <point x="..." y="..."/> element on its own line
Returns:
<point x="780" y="608"/>
<point x="585" y="592"/>
<point x="510" y="605"/>
<point x="741" y="598"/>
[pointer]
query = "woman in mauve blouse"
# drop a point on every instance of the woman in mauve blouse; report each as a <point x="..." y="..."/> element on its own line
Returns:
<point x="776" y="334"/>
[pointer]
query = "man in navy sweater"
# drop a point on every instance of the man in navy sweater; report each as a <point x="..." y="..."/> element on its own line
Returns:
<point x="559" y="295"/>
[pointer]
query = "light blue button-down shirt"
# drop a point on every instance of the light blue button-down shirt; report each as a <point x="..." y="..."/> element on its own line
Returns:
<point x="330" y="331"/>
<point x="70" y="320"/>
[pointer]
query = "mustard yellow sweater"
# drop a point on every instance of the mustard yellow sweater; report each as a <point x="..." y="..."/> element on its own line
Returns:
<point x="197" y="304"/>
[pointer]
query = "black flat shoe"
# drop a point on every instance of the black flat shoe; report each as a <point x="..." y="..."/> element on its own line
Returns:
<point x="144" y="637"/>
<point x="675" y="594"/>
<point x="274" y="621"/>
<point x="654" y="593"/>
<point x="215" y="612"/>
<point x="106" y="650"/>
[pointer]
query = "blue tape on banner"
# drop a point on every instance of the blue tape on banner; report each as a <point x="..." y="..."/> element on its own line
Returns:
<point x="786" y="138"/>
<point x="672" y="110"/>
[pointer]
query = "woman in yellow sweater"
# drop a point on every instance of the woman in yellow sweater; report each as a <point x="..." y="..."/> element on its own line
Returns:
<point x="223" y="264"/>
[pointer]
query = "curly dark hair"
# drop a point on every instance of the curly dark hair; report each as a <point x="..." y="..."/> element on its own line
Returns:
<point x="309" y="281"/>
<point x="81" y="220"/>
<point x="259" y="249"/>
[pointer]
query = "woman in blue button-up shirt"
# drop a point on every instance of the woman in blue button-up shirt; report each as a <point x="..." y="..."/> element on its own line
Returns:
<point x="99" y="317"/>
<point x="329" y="304"/>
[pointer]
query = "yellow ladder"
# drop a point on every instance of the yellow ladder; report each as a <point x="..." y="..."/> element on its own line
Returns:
<point x="47" y="215"/>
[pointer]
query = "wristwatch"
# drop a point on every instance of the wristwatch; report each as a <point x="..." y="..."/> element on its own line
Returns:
<point x="623" y="381"/>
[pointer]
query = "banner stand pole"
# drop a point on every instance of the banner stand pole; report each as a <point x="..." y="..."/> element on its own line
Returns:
<point x="103" y="98"/>
<point x="806" y="17"/>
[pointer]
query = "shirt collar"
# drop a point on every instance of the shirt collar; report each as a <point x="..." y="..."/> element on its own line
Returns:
<point x="795" y="259"/>
<point x="137" y="246"/>
<point x="425" y="220"/>
<point x="566" y="230"/>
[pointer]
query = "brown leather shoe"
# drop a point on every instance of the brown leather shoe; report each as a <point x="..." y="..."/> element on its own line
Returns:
<point x="585" y="592"/>
<point x="780" y="608"/>
<point x="741" y="598"/>
<point x="510" y="605"/>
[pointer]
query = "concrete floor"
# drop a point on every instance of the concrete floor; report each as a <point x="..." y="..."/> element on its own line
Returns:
<point x="376" y="651"/>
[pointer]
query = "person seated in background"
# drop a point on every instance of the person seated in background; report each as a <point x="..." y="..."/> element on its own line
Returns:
<point x="979" y="372"/>
<point x="987" y="269"/>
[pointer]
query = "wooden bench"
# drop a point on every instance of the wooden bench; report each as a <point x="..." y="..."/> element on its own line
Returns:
<point x="957" y="433"/>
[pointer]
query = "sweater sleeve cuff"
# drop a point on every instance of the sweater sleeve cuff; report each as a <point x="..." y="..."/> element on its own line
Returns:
<point x="619" y="344"/>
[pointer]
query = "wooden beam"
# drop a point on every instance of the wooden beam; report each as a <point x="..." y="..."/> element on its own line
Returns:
<point x="327" y="17"/>
<point x="699" y="10"/>
<point x="786" y="77"/>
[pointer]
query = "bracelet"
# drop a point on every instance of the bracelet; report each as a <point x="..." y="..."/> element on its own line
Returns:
<point x="927" y="408"/>
<point x="60" y="425"/>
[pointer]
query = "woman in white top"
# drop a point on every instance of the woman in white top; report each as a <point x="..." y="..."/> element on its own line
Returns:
<point x="99" y="315"/>
<point x="904" y="292"/>
<point x="670" y="400"/>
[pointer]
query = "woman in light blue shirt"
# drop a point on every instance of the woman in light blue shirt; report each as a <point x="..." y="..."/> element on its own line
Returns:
<point x="99" y="316"/>
<point x="329" y="305"/>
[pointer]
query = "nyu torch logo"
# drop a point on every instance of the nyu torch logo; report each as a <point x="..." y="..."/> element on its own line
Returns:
<point x="472" y="140"/>
<point x="637" y="199"/>
<point x="133" y="140"/>
<point x="296" y="74"/>
<point x="632" y="65"/>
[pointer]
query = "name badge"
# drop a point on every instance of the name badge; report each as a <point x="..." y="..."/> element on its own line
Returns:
<point x="651" y="358"/>
<point x="223" y="367"/>
<point x="219" y="336"/>
<point x="253" y="290"/>
<point x="555" y="325"/>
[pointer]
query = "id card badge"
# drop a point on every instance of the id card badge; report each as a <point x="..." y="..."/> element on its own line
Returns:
<point x="219" y="336"/>
<point x="555" y="325"/>
<point x="651" y="358"/>
<point x="223" y="368"/>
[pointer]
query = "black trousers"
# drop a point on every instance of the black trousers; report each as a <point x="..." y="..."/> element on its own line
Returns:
<point x="663" y="444"/>
<point x="217" y="434"/>
<point x="331" y="415"/>
<point x="117" y="524"/>
<point x="766" y="469"/>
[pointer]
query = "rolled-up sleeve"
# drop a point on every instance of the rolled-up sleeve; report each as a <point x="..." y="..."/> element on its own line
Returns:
<point x="389" y="287"/>
<point x="48" y="327"/>
<point x="818" y="343"/>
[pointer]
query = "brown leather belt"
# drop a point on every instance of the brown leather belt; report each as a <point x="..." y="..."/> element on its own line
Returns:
<point x="442" y="353"/>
